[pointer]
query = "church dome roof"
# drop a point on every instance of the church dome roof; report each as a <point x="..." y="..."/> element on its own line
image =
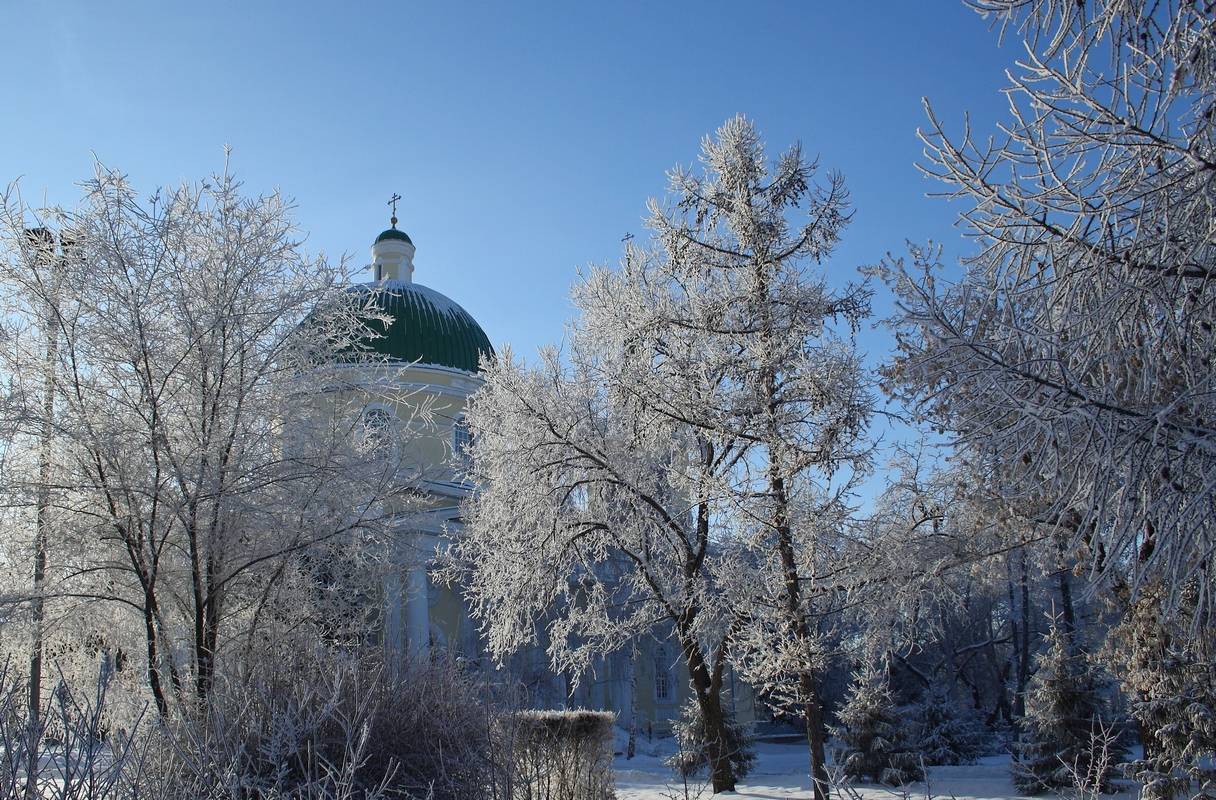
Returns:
<point x="426" y="327"/>
<point x="393" y="233"/>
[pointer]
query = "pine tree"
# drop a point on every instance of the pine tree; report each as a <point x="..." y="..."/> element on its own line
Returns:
<point x="1066" y="733"/>
<point x="949" y="734"/>
<point x="877" y="740"/>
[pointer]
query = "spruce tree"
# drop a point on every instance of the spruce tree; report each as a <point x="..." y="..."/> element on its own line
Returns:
<point x="1166" y="668"/>
<point x="1066" y="734"/>
<point x="949" y="734"/>
<point x="877" y="740"/>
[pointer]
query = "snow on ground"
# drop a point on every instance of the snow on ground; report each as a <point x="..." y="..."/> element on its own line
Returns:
<point x="781" y="773"/>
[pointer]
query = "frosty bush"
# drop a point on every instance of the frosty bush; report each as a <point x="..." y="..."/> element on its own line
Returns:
<point x="949" y="734"/>
<point x="66" y="753"/>
<point x="557" y="755"/>
<point x="1065" y="738"/>
<point x="332" y="730"/>
<point x="693" y="741"/>
<point x="877" y="741"/>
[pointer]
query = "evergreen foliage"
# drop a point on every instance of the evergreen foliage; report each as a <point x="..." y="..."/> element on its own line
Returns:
<point x="1171" y="680"/>
<point x="1066" y="738"/>
<point x="949" y="734"/>
<point x="878" y="744"/>
<point x="693" y="752"/>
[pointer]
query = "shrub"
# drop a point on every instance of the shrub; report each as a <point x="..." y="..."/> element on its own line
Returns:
<point x="66" y="753"/>
<point x="557" y="755"/>
<point x="331" y="730"/>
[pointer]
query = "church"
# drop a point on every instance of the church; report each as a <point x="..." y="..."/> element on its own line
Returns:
<point x="431" y="349"/>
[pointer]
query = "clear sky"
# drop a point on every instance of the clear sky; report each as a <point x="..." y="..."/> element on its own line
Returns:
<point x="524" y="137"/>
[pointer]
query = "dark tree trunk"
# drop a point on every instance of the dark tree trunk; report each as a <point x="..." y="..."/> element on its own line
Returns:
<point x="816" y="732"/>
<point x="1021" y="643"/>
<point x="816" y="737"/>
<point x="154" y="681"/>
<point x="42" y="240"/>
<point x="1068" y="613"/>
<point x="709" y="699"/>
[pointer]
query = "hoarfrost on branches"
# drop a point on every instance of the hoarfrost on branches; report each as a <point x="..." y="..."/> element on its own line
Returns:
<point x="683" y="461"/>
<point x="1073" y="359"/>
<point x="176" y="357"/>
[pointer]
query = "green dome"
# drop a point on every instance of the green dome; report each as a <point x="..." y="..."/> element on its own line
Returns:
<point x="393" y="233"/>
<point x="427" y="327"/>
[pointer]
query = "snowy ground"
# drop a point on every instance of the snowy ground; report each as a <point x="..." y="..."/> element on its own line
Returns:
<point x="781" y="773"/>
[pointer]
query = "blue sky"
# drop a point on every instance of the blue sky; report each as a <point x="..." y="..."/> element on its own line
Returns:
<point x="525" y="138"/>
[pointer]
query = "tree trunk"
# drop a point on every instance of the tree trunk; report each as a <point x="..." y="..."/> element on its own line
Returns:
<point x="1024" y="661"/>
<point x="816" y="737"/>
<point x="632" y="747"/>
<point x="154" y="681"/>
<point x="1068" y="612"/>
<point x="721" y="774"/>
<point x="816" y="733"/>
<point x="43" y="242"/>
<point x="1021" y="643"/>
<point x="709" y="699"/>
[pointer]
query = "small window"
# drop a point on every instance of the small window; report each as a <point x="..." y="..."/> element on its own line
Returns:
<point x="376" y="437"/>
<point x="462" y="443"/>
<point x="662" y="674"/>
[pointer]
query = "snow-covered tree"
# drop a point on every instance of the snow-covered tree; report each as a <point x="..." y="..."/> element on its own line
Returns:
<point x="693" y="743"/>
<point x="701" y="429"/>
<point x="949" y="733"/>
<point x="593" y="518"/>
<point x="1072" y="357"/>
<point x="737" y="280"/>
<point x="877" y="740"/>
<point x="1067" y="733"/>
<point x="1169" y="674"/>
<point x="194" y="470"/>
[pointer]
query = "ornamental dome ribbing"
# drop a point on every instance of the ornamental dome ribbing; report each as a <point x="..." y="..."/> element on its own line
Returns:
<point x="426" y="327"/>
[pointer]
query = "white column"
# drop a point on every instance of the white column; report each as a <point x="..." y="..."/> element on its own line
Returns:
<point x="394" y="624"/>
<point x="418" y="608"/>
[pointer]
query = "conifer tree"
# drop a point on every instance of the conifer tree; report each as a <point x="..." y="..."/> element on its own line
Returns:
<point x="1066" y="733"/>
<point x="1169" y="674"/>
<point x="948" y="734"/>
<point x="877" y="739"/>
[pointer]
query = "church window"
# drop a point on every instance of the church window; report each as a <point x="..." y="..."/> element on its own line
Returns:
<point x="376" y="436"/>
<point x="462" y="441"/>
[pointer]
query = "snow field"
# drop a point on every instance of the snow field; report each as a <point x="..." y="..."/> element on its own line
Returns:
<point x="782" y="773"/>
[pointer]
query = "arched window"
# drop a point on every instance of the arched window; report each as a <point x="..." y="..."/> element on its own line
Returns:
<point x="462" y="442"/>
<point x="376" y="434"/>
<point x="662" y="674"/>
